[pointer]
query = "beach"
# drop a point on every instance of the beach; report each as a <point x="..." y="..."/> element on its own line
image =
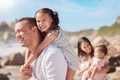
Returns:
<point x="10" y="48"/>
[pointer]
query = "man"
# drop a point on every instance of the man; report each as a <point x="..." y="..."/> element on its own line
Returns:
<point x="51" y="64"/>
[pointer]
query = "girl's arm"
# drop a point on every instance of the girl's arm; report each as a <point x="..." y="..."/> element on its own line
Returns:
<point x="27" y="54"/>
<point x="48" y="39"/>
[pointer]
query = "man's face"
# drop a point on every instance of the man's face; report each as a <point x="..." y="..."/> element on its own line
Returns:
<point x="23" y="33"/>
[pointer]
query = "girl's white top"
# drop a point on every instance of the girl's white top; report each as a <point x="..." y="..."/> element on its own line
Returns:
<point x="63" y="43"/>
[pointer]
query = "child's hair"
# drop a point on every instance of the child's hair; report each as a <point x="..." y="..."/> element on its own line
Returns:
<point x="80" y="51"/>
<point x="102" y="48"/>
<point x="53" y="15"/>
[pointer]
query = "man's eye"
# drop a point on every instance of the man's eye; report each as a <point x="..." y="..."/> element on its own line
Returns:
<point x="37" y="21"/>
<point x="44" y="20"/>
<point x="21" y="31"/>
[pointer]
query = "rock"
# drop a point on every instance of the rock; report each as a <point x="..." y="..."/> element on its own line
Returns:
<point x="14" y="59"/>
<point x="0" y="62"/>
<point x="0" y="66"/>
<point x="114" y="61"/>
<point x="3" y="26"/>
<point x="13" y="72"/>
<point x="100" y="40"/>
<point x="111" y="70"/>
<point x="5" y="36"/>
<point x="115" y="75"/>
<point x="111" y="50"/>
<point x="115" y="42"/>
<point x="3" y="77"/>
<point x="17" y="59"/>
<point x="5" y="61"/>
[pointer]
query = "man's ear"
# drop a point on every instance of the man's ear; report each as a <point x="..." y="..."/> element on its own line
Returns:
<point x="34" y="29"/>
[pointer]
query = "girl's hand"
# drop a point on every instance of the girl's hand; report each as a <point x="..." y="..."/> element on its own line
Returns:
<point x="22" y="68"/>
<point x="27" y="54"/>
<point x="25" y="65"/>
<point x="26" y="73"/>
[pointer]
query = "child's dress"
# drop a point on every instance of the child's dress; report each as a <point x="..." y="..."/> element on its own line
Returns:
<point x="63" y="43"/>
<point x="99" y="63"/>
<point x="82" y="66"/>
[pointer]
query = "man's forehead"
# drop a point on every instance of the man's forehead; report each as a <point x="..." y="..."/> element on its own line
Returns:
<point x="21" y="24"/>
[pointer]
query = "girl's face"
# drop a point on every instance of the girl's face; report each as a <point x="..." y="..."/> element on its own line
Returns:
<point x="98" y="53"/>
<point x="44" y="22"/>
<point x="85" y="46"/>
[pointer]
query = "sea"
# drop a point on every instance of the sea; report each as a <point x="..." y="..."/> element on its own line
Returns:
<point x="9" y="48"/>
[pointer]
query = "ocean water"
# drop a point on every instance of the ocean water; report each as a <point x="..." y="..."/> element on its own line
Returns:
<point x="10" y="48"/>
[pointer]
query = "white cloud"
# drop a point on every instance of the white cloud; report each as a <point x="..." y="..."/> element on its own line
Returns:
<point x="6" y="6"/>
<point x="105" y="8"/>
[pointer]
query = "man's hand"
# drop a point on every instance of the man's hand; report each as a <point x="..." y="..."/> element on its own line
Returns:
<point x="26" y="73"/>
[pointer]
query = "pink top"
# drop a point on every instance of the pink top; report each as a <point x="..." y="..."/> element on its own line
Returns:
<point x="99" y="63"/>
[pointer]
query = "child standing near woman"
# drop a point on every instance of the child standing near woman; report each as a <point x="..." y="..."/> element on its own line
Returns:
<point x="48" y="23"/>
<point x="85" y="54"/>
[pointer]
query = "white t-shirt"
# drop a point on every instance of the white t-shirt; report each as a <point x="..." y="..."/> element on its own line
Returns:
<point x="50" y="65"/>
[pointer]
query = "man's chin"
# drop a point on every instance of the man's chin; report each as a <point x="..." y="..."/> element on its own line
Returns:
<point x="23" y="45"/>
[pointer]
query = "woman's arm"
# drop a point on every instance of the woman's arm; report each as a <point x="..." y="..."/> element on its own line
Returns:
<point x="48" y="39"/>
<point x="80" y="71"/>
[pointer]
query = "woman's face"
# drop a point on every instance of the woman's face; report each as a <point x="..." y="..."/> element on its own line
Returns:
<point x="44" y="22"/>
<point x="85" y="46"/>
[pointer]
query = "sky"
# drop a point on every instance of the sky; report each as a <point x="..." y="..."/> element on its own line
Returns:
<point x="74" y="15"/>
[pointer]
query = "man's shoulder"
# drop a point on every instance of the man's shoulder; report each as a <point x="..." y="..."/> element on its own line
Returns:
<point x="53" y="48"/>
<point x="53" y="51"/>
